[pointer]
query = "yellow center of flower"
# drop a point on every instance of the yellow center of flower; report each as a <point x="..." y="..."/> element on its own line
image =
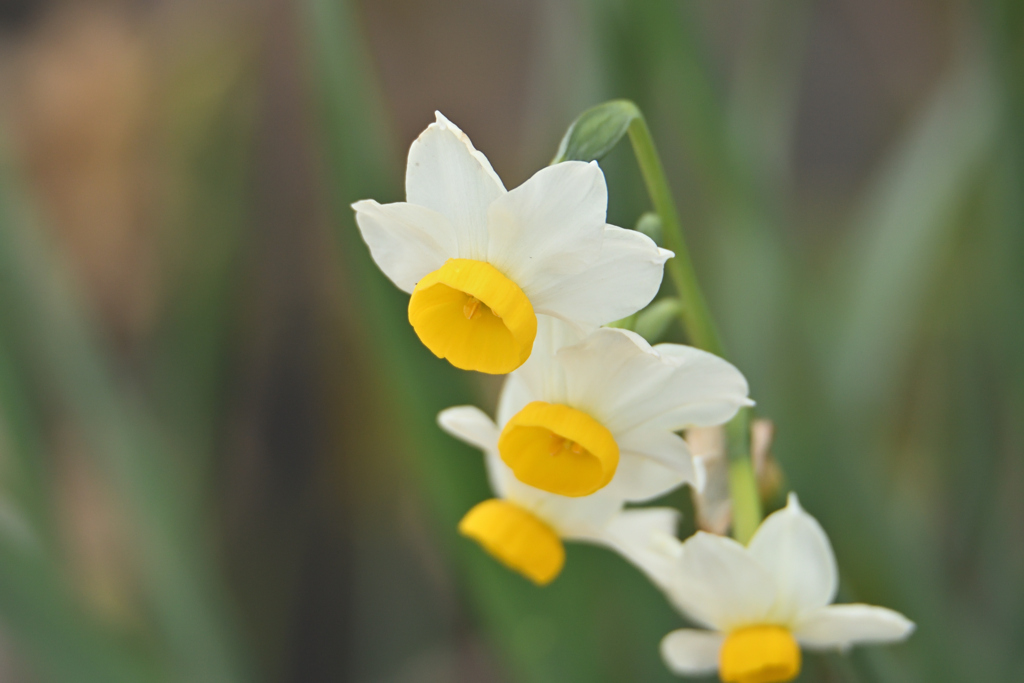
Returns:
<point x="516" y="538"/>
<point x="471" y="314"/>
<point x="759" y="654"/>
<point x="559" y="449"/>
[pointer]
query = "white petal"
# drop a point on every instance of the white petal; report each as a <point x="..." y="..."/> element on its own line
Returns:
<point x="689" y="652"/>
<point x="704" y="390"/>
<point x="605" y="364"/>
<point x="549" y="227"/>
<point x="623" y="279"/>
<point x="499" y="475"/>
<point x="795" y="550"/>
<point x="515" y="394"/>
<point x="470" y="424"/>
<point x="647" y="538"/>
<point x="543" y="375"/>
<point x="652" y="462"/>
<point x="720" y="585"/>
<point x="582" y="518"/>
<point x="447" y="174"/>
<point x="842" y="626"/>
<point x="619" y="379"/>
<point x="406" y="241"/>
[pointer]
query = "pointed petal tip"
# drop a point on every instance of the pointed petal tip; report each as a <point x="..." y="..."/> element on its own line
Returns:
<point x="440" y="123"/>
<point x="849" y="625"/>
<point x="910" y="627"/>
<point x="470" y="425"/>
<point x="906" y="626"/>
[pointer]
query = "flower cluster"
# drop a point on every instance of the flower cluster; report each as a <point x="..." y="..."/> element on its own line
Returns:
<point x="589" y="417"/>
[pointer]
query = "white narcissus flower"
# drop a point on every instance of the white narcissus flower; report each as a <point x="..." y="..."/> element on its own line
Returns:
<point x="765" y="601"/>
<point x="603" y="411"/>
<point x="524" y="527"/>
<point x="481" y="262"/>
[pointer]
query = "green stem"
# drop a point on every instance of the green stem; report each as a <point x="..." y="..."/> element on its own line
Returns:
<point x="694" y="313"/>
<point x="746" y="502"/>
<point x="700" y="328"/>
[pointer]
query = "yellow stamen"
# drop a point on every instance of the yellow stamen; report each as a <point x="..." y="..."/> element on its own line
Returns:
<point x="559" y="449"/>
<point x="471" y="314"/>
<point x="516" y="538"/>
<point x="759" y="654"/>
<point x="471" y="307"/>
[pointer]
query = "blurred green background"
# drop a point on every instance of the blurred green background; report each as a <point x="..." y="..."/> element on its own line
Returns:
<point x="218" y="457"/>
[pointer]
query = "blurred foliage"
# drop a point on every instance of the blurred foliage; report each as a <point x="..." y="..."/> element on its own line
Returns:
<point x="276" y="400"/>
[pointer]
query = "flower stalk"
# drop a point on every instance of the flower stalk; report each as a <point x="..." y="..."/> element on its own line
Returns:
<point x="746" y="502"/>
<point x="694" y="312"/>
<point x="700" y="327"/>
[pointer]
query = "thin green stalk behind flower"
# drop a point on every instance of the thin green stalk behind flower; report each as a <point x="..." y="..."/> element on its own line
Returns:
<point x="590" y="137"/>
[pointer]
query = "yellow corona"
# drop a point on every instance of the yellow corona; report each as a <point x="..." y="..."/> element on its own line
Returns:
<point x="559" y="449"/>
<point x="759" y="654"/>
<point x="471" y="314"/>
<point x="517" y="538"/>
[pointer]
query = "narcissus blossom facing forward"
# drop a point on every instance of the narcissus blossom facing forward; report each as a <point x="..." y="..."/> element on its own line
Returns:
<point x="524" y="527"/>
<point x="482" y="262"/>
<point x="602" y="411"/>
<point x="766" y="601"/>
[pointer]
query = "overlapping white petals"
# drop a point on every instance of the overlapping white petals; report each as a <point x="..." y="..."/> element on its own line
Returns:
<point x="720" y="585"/>
<point x="843" y="626"/>
<point x="641" y="394"/>
<point x="550" y="226"/>
<point x="622" y="279"/>
<point x="447" y="174"/>
<point x="647" y="538"/>
<point x="655" y="461"/>
<point x="575" y="519"/>
<point x="548" y="235"/>
<point x="406" y="241"/>
<point x="631" y="384"/>
<point x="786" y="577"/>
<point x="795" y="550"/>
<point x="542" y="377"/>
<point x="691" y="652"/>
